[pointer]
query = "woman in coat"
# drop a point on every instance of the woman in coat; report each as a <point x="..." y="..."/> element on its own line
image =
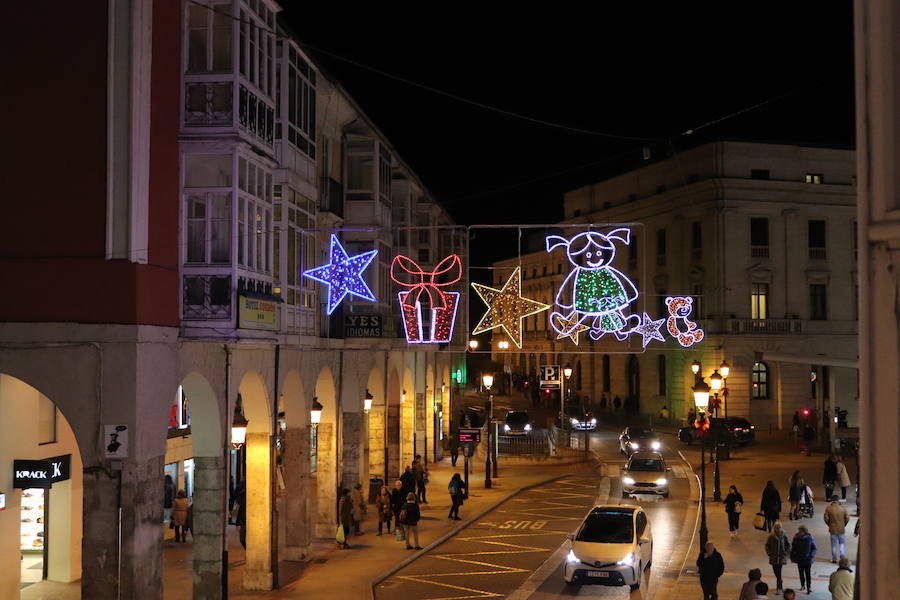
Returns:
<point x="179" y="515"/>
<point x="843" y="477"/>
<point x="770" y="504"/>
<point x="398" y="498"/>
<point x="383" y="509"/>
<point x="795" y="493"/>
<point x="345" y="514"/>
<point x="778" y="549"/>
<point x="456" y="489"/>
<point x="803" y="552"/>
<point x="359" y="507"/>
<point x="734" y="505"/>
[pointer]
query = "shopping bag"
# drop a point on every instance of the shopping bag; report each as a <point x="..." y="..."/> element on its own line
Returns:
<point x="340" y="537"/>
<point x="759" y="521"/>
<point x="400" y="534"/>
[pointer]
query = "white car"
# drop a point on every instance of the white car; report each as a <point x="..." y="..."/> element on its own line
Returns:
<point x="612" y="546"/>
<point x="645" y="473"/>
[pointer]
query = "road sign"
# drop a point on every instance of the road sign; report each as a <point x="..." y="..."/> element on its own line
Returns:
<point x="469" y="435"/>
<point x="550" y="377"/>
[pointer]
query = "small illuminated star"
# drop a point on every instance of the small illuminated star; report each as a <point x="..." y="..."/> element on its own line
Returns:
<point x="649" y="330"/>
<point x="571" y="325"/>
<point x="343" y="274"/>
<point x="506" y="307"/>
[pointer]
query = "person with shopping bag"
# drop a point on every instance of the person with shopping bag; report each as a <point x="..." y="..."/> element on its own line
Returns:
<point x="345" y="514"/>
<point x="383" y="509"/>
<point x="734" y="505"/>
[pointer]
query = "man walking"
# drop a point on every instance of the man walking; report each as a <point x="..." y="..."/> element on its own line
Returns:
<point x="836" y="518"/>
<point x="454" y="448"/>
<point x="710" y="566"/>
<point x="409" y="517"/>
<point x="421" y="478"/>
<point x="840" y="584"/>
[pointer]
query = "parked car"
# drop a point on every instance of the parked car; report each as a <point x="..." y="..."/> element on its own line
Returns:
<point x="517" y="423"/>
<point x="634" y="439"/>
<point x="733" y="430"/>
<point x="612" y="546"/>
<point x="645" y="473"/>
<point x="579" y="418"/>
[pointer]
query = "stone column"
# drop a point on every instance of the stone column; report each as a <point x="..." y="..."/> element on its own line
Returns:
<point x="140" y="499"/>
<point x="352" y="443"/>
<point x="258" y="569"/>
<point x="209" y="514"/>
<point x="297" y="493"/>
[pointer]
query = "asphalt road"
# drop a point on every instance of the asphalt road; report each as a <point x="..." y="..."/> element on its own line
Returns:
<point x="517" y="549"/>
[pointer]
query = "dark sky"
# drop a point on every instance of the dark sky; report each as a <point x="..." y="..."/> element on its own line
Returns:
<point x="653" y="71"/>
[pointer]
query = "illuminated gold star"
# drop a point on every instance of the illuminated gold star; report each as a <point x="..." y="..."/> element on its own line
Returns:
<point x="571" y="325"/>
<point x="506" y="307"/>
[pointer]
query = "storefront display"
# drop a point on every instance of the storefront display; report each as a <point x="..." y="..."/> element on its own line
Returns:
<point x="32" y="529"/>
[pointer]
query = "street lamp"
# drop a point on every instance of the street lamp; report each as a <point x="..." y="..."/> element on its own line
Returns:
<point x="402" y="396"/>
<point x="724" y="369"/>
<point x="715" y="382"/>
<point x="473" y="345"/>
<point x="238" y="428"/>
<point x="367" y="402"/>
<point x="695" y="367"/>
<point x="488" y="380"/>
<point x="315" y="414"/>
<point x="701" y="400"/>
<point x="503" y="345"/>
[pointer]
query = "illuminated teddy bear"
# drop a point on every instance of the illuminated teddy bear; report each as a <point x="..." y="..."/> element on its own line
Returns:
<point x="593" y="290"/>
<point x="679" y="309"/>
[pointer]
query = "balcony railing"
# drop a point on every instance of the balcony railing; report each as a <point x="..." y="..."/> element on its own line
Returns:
<point x="206" y="297"/>
<point x="331" y="196"/>
<point x="208" y="104"/>
<point x="759" y="251"/>
<point x="817" y="253"/>
<point x="765" y="326"/>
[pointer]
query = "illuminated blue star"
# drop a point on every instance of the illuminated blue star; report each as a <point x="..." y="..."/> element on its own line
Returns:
<point x="343" y="275"/>
<point x="649" y="330"/>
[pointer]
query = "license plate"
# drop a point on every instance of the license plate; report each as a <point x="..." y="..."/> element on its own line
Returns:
<point x="597" y="574"/>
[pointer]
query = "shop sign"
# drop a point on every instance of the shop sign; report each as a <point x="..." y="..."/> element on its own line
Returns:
<point x="257" y="313"/>
<point x="363" y="326"/>
<point x="41" y="473"/>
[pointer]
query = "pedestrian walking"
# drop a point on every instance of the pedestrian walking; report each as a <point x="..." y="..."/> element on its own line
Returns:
<point x="359" y="508"/>
<point x="778" y="549"/>
<point x="179" y="515"/>
<point x="398" y="498"/>
<point x="803" y="553"/>
<point x="345" y="515"/>
<point x="409" y="480"/>
<point x="734" y="506"/>
<point x="456" y="488"/>
<point x="421" y="474"/>
<point x="454" y="448"/>
<point x="383" y="509"/>
<point x="240" y="499"/>
<point x="409" y="516"/>
<point x="748" y="590"/>
<point x="168" y="497"/>
<point x="843" y="477"/>
<point x="829" y="475"/>
<point x="840" y="583"/>
<point x="710" y="565"/>
<point x="796" y="487"/>
<point x="617" y="403"/>
<point x="770" y="504"/>
<point x="836" y="518"/>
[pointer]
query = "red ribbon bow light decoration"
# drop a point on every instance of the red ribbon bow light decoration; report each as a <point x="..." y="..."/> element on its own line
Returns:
<point x="435" y="324"/>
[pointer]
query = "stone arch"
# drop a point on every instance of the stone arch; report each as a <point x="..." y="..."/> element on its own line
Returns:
<point x="324" y="462"/>
<point x="394" y="392"/>
<point x="375" y="423"/>
<point x="22" y="403"/>
<point x="407" y="420"/>
<point x="258" y="481"/>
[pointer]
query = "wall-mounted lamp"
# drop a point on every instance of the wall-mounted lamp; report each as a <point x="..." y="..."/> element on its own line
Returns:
<point x="367" y="401"/>
<point x="238" y="427"/>
<point x="315" y="414"/>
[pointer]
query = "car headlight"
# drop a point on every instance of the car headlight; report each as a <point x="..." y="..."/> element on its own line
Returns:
<point x="662" y="481"/>
<point x="574" y="421"/>
<point x="506" y="428"/>
<point x="628" y="480"/>
<point x="527" y="426"/>
<point x="655" y="445"/>
<point x="627" y="561"/>
<point x="634" y="445"/>
<point x="570" y="557"/>
<point x="593" y="421"/>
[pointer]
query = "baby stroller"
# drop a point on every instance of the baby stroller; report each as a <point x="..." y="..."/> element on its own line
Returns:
<point x="806" y="508"/>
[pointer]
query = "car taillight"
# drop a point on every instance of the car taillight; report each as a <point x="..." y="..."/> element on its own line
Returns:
<point x="737" y="429"/>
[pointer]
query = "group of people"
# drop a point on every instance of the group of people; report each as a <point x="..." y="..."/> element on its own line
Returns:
<point x="801" y="549"/>
<point x="400" y="507"/>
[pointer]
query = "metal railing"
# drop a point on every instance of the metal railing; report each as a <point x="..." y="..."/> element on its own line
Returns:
<point x="817" y="253"/>
<point x="759" y="251"/>
<point x="778" y="326"/>
<point x="534" y="444"/>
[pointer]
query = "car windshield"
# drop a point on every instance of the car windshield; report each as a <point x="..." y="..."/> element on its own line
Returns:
<point x="607" y="527"/>
<point x="645" y="464"/>
<point x="517" y="418"/>
<point x="642" y="433"/>
<point x="740" y="423"/>
<point x="575" y="411"/>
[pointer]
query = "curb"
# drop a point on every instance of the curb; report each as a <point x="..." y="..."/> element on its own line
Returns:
<point x="690" y="548"/>
<point x="453" y="532"/>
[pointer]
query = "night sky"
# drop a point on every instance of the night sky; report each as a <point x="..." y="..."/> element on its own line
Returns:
<point x="644" y="75"/>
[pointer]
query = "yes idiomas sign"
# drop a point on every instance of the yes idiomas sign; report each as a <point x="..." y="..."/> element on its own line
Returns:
<point x="41" y="473"/>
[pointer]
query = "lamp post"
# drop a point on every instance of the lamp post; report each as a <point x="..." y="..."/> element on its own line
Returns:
<point x="473" y="345"/>
<point x="567" y="372"/>
<point x="238" y="428"/>
<point x="724" y="369"/>
<point x="701" y="400"/>
<point x="715" y="382"/>
<point x="488" y="381"/>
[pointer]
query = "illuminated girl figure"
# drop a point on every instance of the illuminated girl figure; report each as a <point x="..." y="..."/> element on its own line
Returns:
<point x="594" y="289"/>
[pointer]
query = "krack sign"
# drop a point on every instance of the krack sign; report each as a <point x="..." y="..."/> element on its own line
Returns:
<point x="41" y="473"/>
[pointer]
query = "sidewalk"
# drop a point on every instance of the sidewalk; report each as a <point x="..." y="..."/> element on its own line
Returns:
<point x="352" y="571"/>
<point x="774" y="458"/>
